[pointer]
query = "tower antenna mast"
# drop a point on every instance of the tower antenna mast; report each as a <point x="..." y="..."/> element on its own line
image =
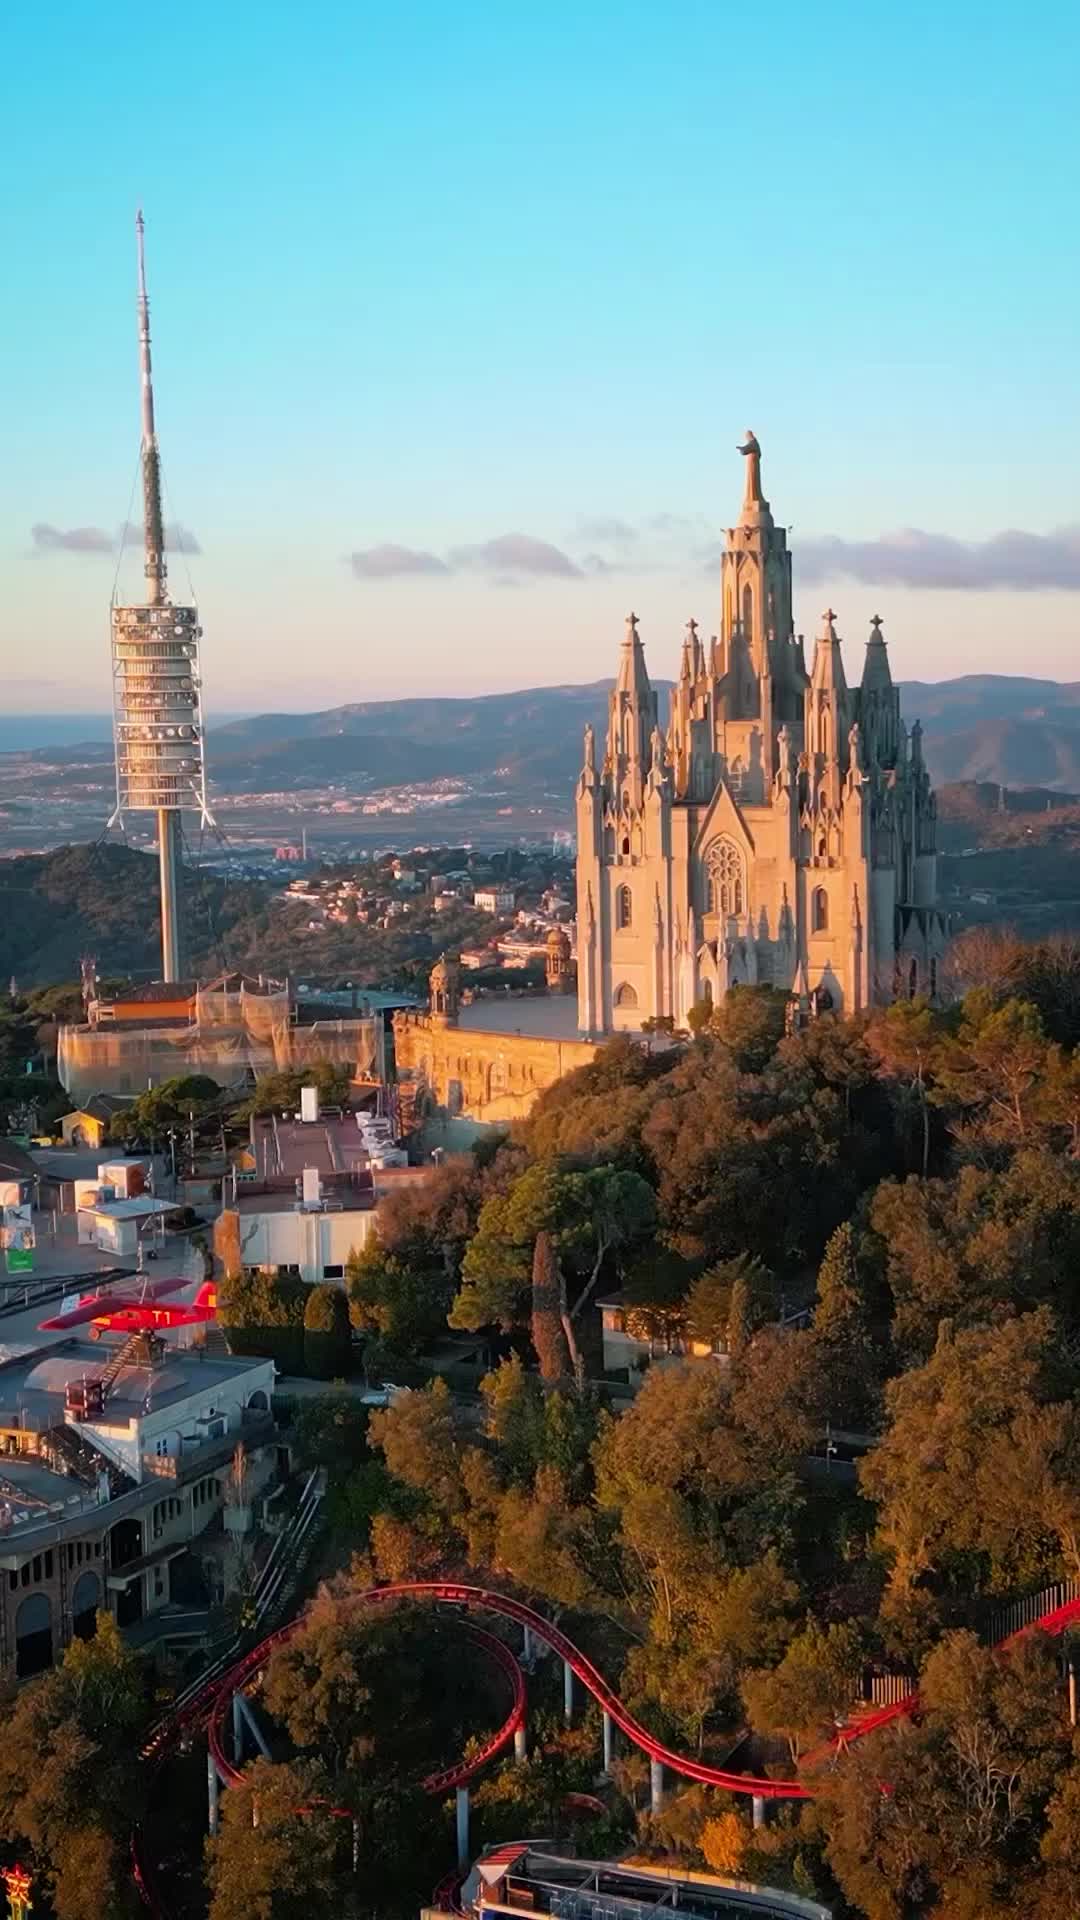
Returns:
<point x="153" y="525"/>
<point x="157" y="698"/>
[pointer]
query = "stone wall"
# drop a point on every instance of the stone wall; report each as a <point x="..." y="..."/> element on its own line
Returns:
<point x="489" y="1078"/>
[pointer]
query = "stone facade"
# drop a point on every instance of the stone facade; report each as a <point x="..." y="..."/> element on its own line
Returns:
<point x="782" y="830"/>
<point x="470" y="1073"/>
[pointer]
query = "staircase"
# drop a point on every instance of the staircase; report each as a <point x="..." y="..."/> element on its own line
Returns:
<point x="276" y="1587"/>
<point x="69" y="1449"/>
<point x="123" y="1357"/>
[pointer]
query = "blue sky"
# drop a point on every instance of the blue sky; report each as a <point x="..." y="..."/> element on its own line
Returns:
<point x="426" y="277"/>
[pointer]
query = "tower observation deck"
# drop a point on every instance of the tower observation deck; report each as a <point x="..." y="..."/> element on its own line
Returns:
<point x="157" y="699"/>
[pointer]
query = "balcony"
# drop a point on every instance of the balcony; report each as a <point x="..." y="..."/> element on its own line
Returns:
<point x="202" y="1456"/>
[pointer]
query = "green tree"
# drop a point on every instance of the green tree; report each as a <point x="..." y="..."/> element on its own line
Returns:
<point x="71" y="1780"/>
<point x="997" y="1508"/>
<point x="264" y="1313"/>
<point x="592" y="1216"/>
<point x="815" y="1682"/>
<point x="849" y="1354"/>
<point x="327" y="1334"/>
<point x="174" y="1107"/>
<point x="654" y="1297"/>
<point x="418" y="1438"/>
<point x="957" y="1834"/>
<point x="275" y="1856"/>
<point x="403" y="1303"/>
<point x="280" y="1092"/>
<point x="749" y="1023"/>
<point x="735" y="1295"/>
<point x="514" y="1407"/>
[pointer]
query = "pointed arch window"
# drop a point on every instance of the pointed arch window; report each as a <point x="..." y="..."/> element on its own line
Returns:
<point x="819" y="911"/>
<point x="625" y="996"/>
<point x="727" y="886"/>
<point x="624" y="907"/>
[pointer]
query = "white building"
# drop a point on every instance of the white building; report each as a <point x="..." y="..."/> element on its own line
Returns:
<point x="494" y="899"/>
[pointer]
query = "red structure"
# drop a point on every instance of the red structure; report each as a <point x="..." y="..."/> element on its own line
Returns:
<point x="211" y="1706"/>
<point x="136" y="1313"/>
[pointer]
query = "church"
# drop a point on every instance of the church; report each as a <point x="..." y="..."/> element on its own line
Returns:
<point x="781" y="830"/>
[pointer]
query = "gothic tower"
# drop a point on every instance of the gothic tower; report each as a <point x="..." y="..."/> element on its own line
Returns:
<point x="781" y="831"/>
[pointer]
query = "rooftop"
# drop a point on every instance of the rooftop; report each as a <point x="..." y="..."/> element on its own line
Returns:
<point x="35" y="1382"/>
<point x="543" y="1016"/>
<point x="513" y="1878"/>
<point x="260" y="1199"/>
<point x="333" y="1144"/>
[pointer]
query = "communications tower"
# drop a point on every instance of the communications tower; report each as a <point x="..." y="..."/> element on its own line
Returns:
<point x="157" y="701"/>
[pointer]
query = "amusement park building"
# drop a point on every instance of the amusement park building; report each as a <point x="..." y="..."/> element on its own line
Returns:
<point x="522" y="1877"/>
<point x="96" y="1512"/>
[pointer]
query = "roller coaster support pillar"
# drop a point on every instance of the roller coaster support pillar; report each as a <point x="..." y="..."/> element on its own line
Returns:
<point x="237" y="1730"/>
<point x="521" y="1748"/>
<point x="568" y="1692"/>
<point x="212" y="1793"/>
<point x="1072" y="1691"/>
<point x="656" y="1786"/>
<point x="244" y="1716"/>
<point x="527" y="1650"/>
<point x="606" y="1723"/>
<point x="759" y="1810"/>
<point x="463" y="1827"/>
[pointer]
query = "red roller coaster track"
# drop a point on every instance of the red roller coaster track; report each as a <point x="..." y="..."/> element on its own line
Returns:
<point x="212" y="1705"/>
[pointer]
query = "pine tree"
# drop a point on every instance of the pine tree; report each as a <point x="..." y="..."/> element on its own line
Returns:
<point x="843" y="1330"/>
<point x="548" y="1336"/>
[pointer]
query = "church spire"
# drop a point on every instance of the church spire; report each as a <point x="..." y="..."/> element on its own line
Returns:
<point x="633" y="676"/>
<point x="828" y="673"/>
<point x="879" y="700"/>
<point x="876" y="677"/>
<point x="633" y="712"/>
<point x="827" y="699"/>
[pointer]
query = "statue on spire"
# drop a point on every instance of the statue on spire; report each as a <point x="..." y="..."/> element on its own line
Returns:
<point x="751" y="451"/>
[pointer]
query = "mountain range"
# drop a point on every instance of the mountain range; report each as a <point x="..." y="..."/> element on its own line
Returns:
<point x="996" y="728"/>
<point x="988" y="727"/>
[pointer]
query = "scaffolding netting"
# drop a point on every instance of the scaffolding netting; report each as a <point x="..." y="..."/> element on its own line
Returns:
<point x="235" y="1034"/>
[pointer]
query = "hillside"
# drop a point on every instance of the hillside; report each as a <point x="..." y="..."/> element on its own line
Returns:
<point x="993" y="728"/>
<point x="103" y="900"/>
<point x="987" y="727"/>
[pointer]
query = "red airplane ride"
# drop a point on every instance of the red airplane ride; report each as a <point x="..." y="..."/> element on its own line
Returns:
<point x="136" y="1313"/>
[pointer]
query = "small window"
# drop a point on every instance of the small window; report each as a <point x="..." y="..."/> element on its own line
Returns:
<point x="819" y="918"/>
<point x="624" y="907"/>
<point x="625" y="996"/>
<point x="333" y="1273"/>
<point x="626" y="846"/>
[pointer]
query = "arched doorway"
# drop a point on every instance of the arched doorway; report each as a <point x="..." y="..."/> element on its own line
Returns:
<point x="85" y="1601"/>
<point x="33" y="1636"/>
